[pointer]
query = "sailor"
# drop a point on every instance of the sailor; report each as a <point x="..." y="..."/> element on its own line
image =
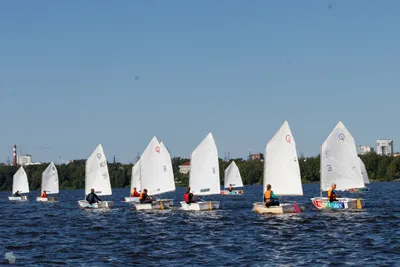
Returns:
<point x="230" y="188"/>
<point x="92" y="197"/>
<point x="332" y="193"/>
<point x="44" y="195"/>
<point x="188" y="196"/>
<point x="16" y="194"/>
<point x="135" y="193"/>
<point x="269" y="197"/>
<point x="144" y="198"/>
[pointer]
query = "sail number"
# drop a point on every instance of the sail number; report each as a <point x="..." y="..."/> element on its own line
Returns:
<point x="329" y="168"/>
<point x="213" y="170"/>
<point x="105" y="175"/>
<point x="103" y="164"/>
<point x="165" y="168"/>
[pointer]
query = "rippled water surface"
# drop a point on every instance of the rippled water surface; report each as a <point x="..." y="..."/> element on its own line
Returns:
<point x="46" y="234"/>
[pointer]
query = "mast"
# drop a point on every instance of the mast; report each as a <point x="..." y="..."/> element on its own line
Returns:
<point x="320" y="173"/>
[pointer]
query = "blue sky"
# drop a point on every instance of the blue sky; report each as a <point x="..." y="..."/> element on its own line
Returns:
<point x="238" y="69"/>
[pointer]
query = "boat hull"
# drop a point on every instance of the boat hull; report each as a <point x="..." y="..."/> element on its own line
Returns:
<point x="155" y="205"/>
<point x="259" y="207"/>
<point x="99" y="205"/>
<point x="21" y="198"/>
<point x="342" y="203"/>
<point x="234" y="192"/>
<point x="132" y="199"/>
<point x="45" y="199"/>
<point x="201" y="205"/>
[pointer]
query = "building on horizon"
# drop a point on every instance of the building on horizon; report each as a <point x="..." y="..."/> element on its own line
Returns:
<point x="366" y="149"/>
<point x="185" y="167"/>
<point x="384" y="147"/>
<point x="258" y="156"/>
<point x="24" y="159"/>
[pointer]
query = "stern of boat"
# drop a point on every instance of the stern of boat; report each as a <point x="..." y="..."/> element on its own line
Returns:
<point x="201" y="205"/>
<point x="132" y="199"/>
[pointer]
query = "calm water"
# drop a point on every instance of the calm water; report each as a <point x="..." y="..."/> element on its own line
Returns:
<point x="44" y="234"/>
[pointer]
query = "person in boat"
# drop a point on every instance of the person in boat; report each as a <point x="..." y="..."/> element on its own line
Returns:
<point x="17" y="194"/>
<point x="44" y="195"/>
<point x="92" y="197"/>
<point x="188" y="196"/>
<point x="230" y="189"/>
<point x="332" y="193"/>
<point x="269" y="197"/>
<point x="135" y="193"/>
<point x="144" y="198"/>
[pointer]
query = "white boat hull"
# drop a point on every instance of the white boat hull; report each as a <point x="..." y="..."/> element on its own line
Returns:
<point x="201" y="205"/>
<point x="259" y="207"/>
<point x="155" y="205"/>
<point x="45" y="199"/>
<point x="99" y="205"/>
<point x="342" y="203"/>
<point x="21" y="198"/>
<point x="132" y="199"/>
<point x="234" y="192"/>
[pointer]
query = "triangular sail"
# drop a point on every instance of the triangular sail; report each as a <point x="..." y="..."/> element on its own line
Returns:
<point x="232" y="176"/>
<point x="136" y="178"/>
<point x="97" y="176"/>
<point x="156" y="169"/>
<point x="363" y="171"/>
<point x="20" y="181"/>
<point x="339" y="161"/>
<point x="281" y="166"/>
<point x="50" y="180"/>
<point x="204" y="168"/>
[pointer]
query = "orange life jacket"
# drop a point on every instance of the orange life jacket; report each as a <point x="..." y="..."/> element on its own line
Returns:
<point x="134" y="193"/>
<point x="141" y="196"/>
<point x="267" y="196"/>
<point x="331" y="195"/>
<point x="44" y="195"/>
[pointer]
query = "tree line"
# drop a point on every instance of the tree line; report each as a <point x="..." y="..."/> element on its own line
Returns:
<point x="71" y="176"/>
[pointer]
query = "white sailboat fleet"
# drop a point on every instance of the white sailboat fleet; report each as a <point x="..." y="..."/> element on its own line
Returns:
<point x="232" y="178"/>
<point x="282" y="172"/>
<point x="340" y="165"/>
<point x="20" y="184"/>
<point x="98" y="178"/>
<point x="156" y="175"/>
<point x="49" y="183"/>
<point x="204" y="175"/>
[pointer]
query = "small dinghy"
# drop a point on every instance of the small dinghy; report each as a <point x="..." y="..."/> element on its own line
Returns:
<point x="98" y="178"/>
<point x="49" y="183"/>
<point x="20" y="184"/>
<point x="282" y="172"/>
<point x="232" y="178"/>
<point x="156" y="175"/>
<point x="204" y="175"/>
<point x="135" y="182"/>
<point x="339" y="165"/>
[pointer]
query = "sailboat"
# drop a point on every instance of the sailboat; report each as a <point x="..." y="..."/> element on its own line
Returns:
<point x="232" y="178"/>
<point x="98" y="178"/>
<point x="365" y="178"/>
<point x="156" y="175"/>
<point x="282" y="172"/>
<point x="49" y="182"/>
<point x="340" y="166"/>
<point x="204" y="175"/>
<point x="135" y="182"/>
<point x="20" y="184"/>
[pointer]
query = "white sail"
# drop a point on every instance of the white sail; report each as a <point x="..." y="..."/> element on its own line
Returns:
<point x="339" y="161"/>
<point x="156" y="169"/>
<point x="363" y="171"/>
<point x="281" y="166"/>
<point x="97" y="176"/>
<point x="20" y="181"/>
<point x="50" y="180"/>
<point x="136" y="178"/>
<point x="204" y="168"/>
<point x="232" y="176"/>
